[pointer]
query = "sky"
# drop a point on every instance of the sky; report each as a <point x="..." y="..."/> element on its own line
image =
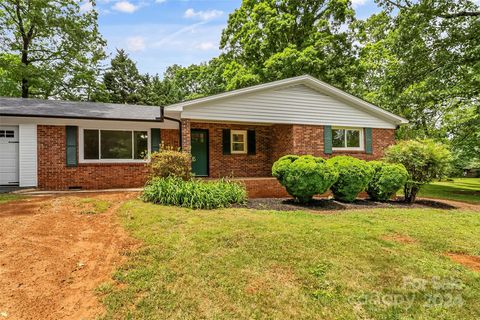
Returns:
<point x="160" y="33"/>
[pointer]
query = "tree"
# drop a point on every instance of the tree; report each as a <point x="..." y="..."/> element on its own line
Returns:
<point x="425" y="160"/>
<point x="276" y="39"/>
<point x="59" y="46"/>
<point x="8" y="86"/>
<point x="420" y="59"/>
<point x="122" y="80"/>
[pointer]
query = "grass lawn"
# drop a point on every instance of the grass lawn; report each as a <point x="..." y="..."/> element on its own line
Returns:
<point x="249" y="264"/>
<point x="7" y="197"/>
<point x="460" y="189"/>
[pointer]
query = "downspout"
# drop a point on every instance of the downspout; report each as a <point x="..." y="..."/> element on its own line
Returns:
<point x="162" y="119"/>
<point x="179" y="129"/>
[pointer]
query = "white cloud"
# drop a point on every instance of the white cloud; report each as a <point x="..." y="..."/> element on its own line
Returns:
<point x="136" y="44"/>
<point x="125" y="6"/>
<point x="358" y="3"/>
<point x="206" y="46"/>
<point x="86" y="6"/>
<point x="202" y="15"/>
<point x="160" y="1"/>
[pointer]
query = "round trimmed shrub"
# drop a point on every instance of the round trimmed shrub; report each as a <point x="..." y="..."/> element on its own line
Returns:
<point x="353" y="177"/>
<point x="304" y="176"/>
<point x="387" y="179"/>
<point x="280" y="167"/>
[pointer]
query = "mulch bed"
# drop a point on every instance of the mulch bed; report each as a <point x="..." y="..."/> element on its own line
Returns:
<point x="283" y="204"/>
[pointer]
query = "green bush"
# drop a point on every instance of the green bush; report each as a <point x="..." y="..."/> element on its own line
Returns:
<point x="194" y="194"/>
<point x="425" y="161"/>
<point x="304" y="176"/>
<point x="169" y="162"/>
<point x="353" y="177"/>
<point x="387" y="179"/>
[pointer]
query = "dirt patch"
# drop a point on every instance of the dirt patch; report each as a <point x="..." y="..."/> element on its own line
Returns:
<point x="53" y="256"/>
<point x="332" y="205"/>
<point x="471" y="262"/>
<point x="400" y="238"/>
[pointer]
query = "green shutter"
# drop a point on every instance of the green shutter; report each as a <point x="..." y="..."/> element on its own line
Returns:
<point x="327" y="139"/>
<point x="155" y="140"/>
<point x="226" y="141"/>
<point x="368" y="141"/>
<point x="71" y="143"/>
<point x="251" y="142"/>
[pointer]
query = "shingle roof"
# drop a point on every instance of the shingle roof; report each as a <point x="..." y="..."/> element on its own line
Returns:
<point x="73" y="109"/>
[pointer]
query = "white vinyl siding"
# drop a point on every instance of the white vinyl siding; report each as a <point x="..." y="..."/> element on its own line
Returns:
<point x="297" y="104"/>
<point x="27" y="155"/>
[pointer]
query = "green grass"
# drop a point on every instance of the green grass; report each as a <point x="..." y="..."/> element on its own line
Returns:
<point x="7" y="197"/>
<point x="460" y="189"/>
<point x="93" y="206"/>
<point x="248" y="264"/>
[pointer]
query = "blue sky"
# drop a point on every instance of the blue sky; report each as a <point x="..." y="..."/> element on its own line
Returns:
<point x="159" y="33"/>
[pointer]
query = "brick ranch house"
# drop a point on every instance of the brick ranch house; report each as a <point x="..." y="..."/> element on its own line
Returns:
<point x="59" y="145"/>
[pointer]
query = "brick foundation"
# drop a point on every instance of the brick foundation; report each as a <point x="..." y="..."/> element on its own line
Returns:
<point x="264" y="188"/>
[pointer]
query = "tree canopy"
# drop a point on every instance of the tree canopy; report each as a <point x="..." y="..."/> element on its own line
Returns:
<point x="58" y="47"/>
<point x="417" y="58"/>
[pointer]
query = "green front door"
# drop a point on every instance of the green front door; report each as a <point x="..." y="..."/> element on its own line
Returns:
<point x="199" y="145"/>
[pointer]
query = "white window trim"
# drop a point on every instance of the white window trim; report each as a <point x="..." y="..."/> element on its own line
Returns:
<point x="244" y="132"/>
<point x="81" y="147"/>
<point x="362" y="140"/>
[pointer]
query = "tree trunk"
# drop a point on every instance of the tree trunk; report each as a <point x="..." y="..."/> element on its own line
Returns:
<point x="25" y="85"/>
<point x="410" y="193"/>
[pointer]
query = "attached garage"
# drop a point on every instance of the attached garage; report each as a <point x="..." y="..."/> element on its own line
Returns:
<point x="18" y="153"/>
<point x="9" y="164"/>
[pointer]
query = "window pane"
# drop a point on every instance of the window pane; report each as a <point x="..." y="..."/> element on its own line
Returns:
<point x="353" y="138"/>
<point x="90" y="144"/>
<point x="338" y="138"/>
<point x="238" y="137"/>
<point x="140" y="144"/>
<point x="10" y="134"/>
<point x="116" y="144"/>
<point x="238" y="146"/>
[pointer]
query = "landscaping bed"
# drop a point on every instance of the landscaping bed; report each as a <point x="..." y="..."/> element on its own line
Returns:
<point x="284" y="204"/>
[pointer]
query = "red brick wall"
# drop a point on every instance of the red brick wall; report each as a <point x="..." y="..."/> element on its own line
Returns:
<point x="53" y="174"/>
<point x="308" y="139"/>
<point x="170" y="138"/>
<point x="272" y="143"/>
<point x="282" y="141"/>
<point x="237" y="165"/>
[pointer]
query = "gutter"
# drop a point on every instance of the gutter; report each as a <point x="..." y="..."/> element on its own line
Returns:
<point x="77" y="118"/>
<point x="179" y="129"/>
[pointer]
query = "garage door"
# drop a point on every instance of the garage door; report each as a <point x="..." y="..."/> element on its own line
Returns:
<point x="8" y="155"/>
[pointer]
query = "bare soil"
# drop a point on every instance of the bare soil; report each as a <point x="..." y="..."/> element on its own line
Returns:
<point x="471" y="262"/>
<point x="53" y="257"/>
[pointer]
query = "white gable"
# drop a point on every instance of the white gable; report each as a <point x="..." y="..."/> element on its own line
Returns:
<point x="296" y="104"/>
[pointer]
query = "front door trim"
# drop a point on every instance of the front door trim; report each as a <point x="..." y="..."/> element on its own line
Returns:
<point x="208" y="148"/>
